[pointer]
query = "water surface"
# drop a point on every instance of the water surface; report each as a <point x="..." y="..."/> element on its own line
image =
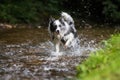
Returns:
<point x="28" y="54"/>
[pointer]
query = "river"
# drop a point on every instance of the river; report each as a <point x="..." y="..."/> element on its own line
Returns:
<point x="28" y="54"/>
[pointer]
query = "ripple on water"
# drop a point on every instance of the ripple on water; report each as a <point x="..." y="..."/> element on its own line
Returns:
<point x="38" y="62"/>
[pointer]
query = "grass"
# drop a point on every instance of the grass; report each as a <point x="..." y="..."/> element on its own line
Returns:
<point x="104" y="64"/>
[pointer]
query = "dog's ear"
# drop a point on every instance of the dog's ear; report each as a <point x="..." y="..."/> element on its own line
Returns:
<point x="51" y="19"/>
<point x="62" y="20"/>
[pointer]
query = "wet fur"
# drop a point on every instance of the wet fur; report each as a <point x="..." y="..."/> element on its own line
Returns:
<point x="64" y="29"/>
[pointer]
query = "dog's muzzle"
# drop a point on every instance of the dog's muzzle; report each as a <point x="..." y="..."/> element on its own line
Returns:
<point x="57" y="31"/>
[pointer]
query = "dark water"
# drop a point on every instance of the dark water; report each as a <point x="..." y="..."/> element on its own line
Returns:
<point x="28" y="54"/>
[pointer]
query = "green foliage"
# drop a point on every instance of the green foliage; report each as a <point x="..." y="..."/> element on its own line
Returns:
<point x="112" y="10"/>
<point x="27" y="11"/>
<point x="103" y="64"/>
<point x="33" y="11"/>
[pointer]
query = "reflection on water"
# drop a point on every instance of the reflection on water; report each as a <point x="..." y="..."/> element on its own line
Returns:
<point x="36" y="59"/>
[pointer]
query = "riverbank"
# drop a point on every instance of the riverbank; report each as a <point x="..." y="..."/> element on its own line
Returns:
<point x="103" y="64"/>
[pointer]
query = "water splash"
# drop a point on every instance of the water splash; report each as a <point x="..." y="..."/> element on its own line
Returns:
<point x="77" y="48"/>
<point x="38" y="62"/>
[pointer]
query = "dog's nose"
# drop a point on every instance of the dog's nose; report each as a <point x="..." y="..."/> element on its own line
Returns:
<point x="57" y="31"/>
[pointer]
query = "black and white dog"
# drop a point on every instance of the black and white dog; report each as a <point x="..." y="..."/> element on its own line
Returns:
<point x="64" y="29"/>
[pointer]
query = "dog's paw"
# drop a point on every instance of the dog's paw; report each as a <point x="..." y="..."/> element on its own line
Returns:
<point x="66" y="47"/>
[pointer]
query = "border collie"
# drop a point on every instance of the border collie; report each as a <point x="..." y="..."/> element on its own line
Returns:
<point x="64" y="30"/>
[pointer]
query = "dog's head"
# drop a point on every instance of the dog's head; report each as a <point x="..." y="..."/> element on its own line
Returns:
<point x="60" y="26"/>
<point x="56" y="26"/>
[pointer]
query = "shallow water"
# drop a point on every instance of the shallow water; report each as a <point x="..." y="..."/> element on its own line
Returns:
<point x="28" y="54"/>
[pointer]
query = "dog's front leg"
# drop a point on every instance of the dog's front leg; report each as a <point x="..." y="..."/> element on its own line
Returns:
<point x="67" y="43"/>
<point x="58" y="46"/>
<point x="70" y="39"/>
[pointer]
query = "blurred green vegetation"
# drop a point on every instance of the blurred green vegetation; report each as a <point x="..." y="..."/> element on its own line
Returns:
<point x="39" y="11"/>
<point x="103" y="64"/>
<point x="27" y="11"/>
<point x="111" y="10"/>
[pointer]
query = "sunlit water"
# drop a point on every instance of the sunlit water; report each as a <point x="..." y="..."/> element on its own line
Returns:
<point x="27" y="61"/>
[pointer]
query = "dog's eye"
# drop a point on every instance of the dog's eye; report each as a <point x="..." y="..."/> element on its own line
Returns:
<point x="59" y="25"/>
